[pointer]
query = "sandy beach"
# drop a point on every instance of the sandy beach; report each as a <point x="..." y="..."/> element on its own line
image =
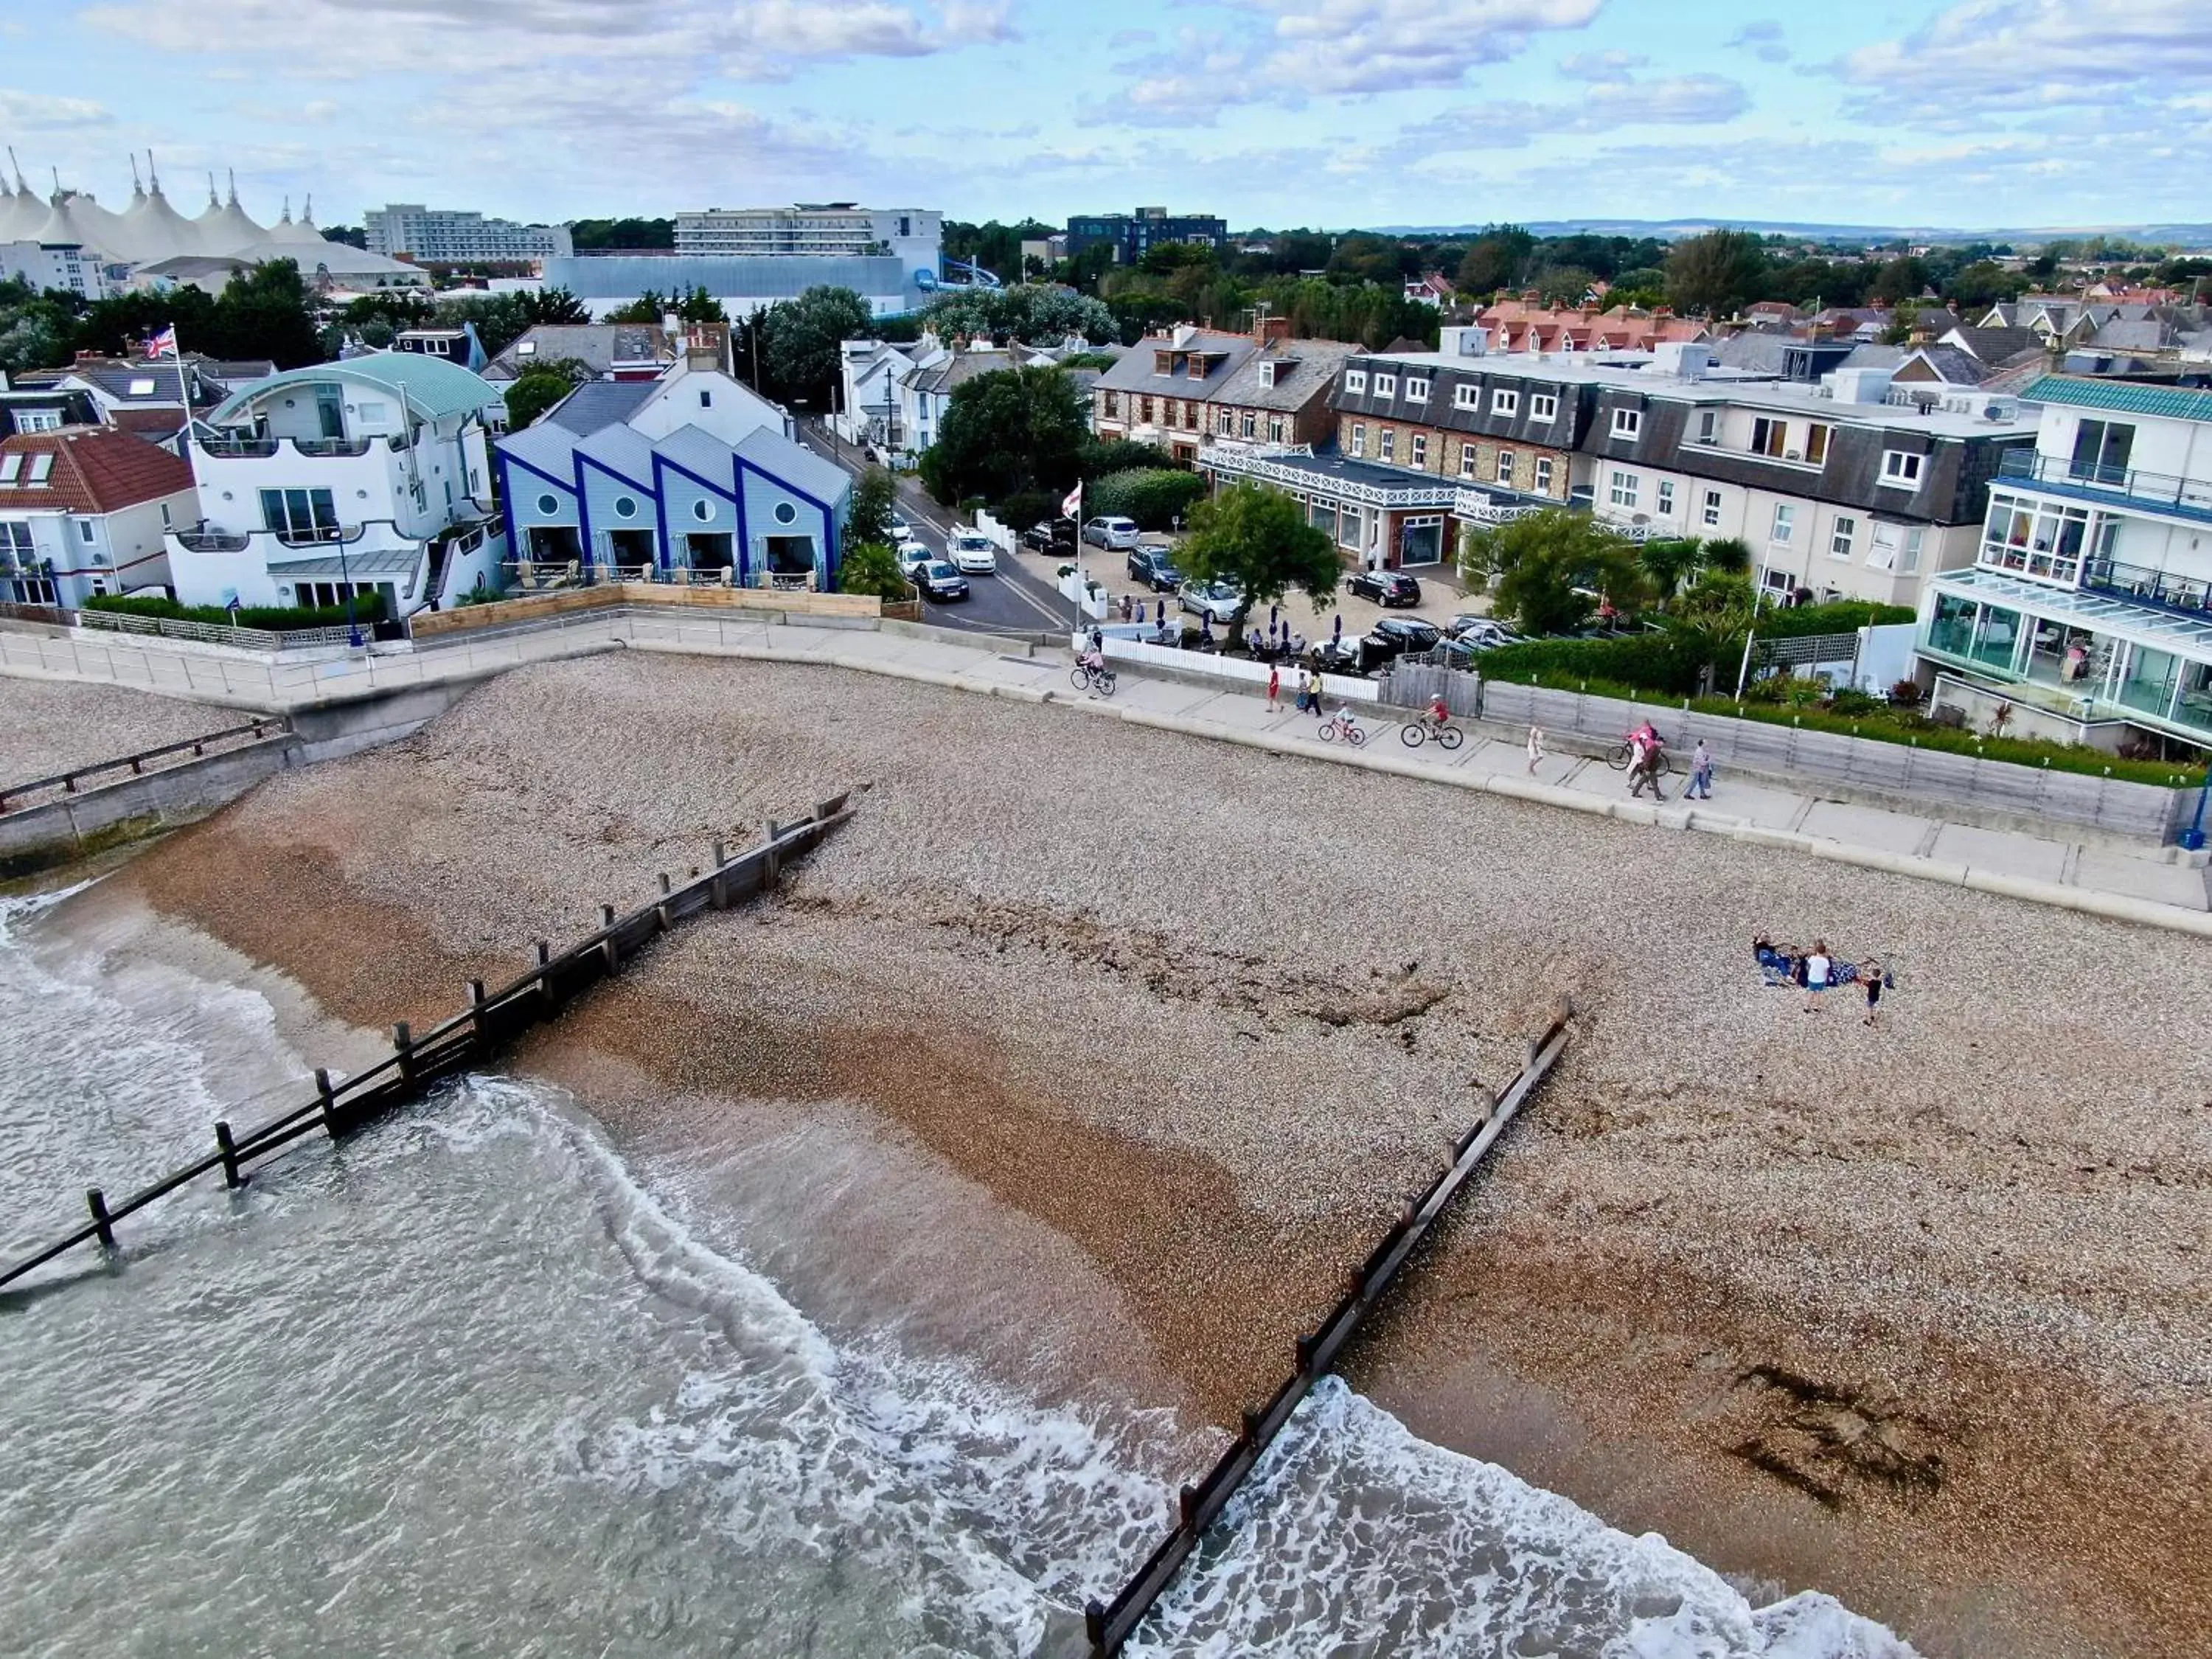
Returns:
<point x="51" y="727"/>
<point x="1917" y="1316"/>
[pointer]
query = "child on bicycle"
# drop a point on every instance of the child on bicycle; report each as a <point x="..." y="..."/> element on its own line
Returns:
<point x="1438" y="715"/>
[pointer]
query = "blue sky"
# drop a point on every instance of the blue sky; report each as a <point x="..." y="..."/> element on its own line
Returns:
<point x="1275" y="112"/>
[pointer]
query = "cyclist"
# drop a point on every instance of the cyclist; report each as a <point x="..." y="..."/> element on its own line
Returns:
<point x="1439" y="715"/>
<point x="1346" y="726"/>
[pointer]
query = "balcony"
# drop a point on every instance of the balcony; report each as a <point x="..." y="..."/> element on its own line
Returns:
<point x="2183" y="596"/>
<point x="243" y="446"/>
<point x="237" y="447"/>
<point x="212" y="541"/>
<point x="2191" y="498"/>
<point x="328" y="447"/>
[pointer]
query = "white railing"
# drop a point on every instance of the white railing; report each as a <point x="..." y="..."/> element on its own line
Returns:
<point x="1334" y="485"/>
<point x="248" y="639"/>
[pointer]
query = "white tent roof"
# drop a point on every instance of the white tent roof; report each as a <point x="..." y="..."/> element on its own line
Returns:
<point x="161" y="232"/>
<point x="20" y="216"/>
<point x="298" y="233"/>
<point x="232" y="229"/>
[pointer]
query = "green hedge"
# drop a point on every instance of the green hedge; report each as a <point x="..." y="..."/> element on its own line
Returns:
<point x="274" y="618"/>
<point x="1667" y="662"/>
<point x="1154" y="497"/>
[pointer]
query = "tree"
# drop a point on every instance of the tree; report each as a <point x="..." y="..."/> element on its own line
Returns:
<point x="1009" y="431"/>
<point x="552" y="305"/>
<point x="868" y="518"/>
<point x="1717" y="274"/>
<point x="1260" y="541"/>
<point x="1668" y="563"/>
<point x="534" y="393"/>
<point x="1496" y="259"/>
<point x="801" y="342"/>
<point x="1550" y="567"/>
<point x="1155" y="499"/>
<point x="1033" y="313"/>
<point x="1903" y="278"/>
<point x="622" y="233"/>
<point x="1120" y="455"/>
<point x="1731" y="553"/>
<point x="873" y="568"/>
<point x="649" y="307"/>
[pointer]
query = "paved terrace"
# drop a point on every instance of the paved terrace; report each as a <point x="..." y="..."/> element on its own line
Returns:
<point x="2152" y="886"/>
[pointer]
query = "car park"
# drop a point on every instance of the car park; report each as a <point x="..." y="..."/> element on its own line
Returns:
<point x="940" y="581"/>
<point x="1386" y="587"/>
<point x="1217" y="601"/>
<point x="1114" y="535"/>
<point x="972" y="554"/>
<point x="1394" y="637"/>
<point x="1153" y="566"/>
<point x="1054" y="536"/>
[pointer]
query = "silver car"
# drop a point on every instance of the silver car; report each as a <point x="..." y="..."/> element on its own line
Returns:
<point x="1218" y="601"/>
<point x="1114" y="535"/>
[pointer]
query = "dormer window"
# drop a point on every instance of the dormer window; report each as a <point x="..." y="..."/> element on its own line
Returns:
<point x="1417" y="392"/>
<point x="1355" y="380"/>
<point x="1164" y="362"/>
<point x="42" y="465"/>
<point x="1386" y="386"/>
<point x="1268" y="374"/>
<point x="10" y="466"/>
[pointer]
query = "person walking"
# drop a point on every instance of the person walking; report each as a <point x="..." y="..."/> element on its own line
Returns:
<point x="1305" y="689"/>
<point x="1818" y="967"/>
<point x="1870" y="975"/>
<point x="1535" y="747"/>
<point x="1274" y="688"/>
<point x="1644" y="766"/>
<point x="1701" y="772"/>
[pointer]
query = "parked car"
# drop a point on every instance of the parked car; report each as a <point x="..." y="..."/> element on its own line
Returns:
<point x="1114" y="535"/>
<point x="940" y="581"/>
<point x="1386" y="587"/>
<point x="1219" y="600"/>
<point x="1394" y="636"/>
<point x="1054" y="536"/>
<point x="901" y="529"/>
<point x="1483" y="633"/>
<point x="972" y="554"/>
<point x="912" y="556"/>
<point x="1152" y="567"/>
<point x="1337" y="655"/>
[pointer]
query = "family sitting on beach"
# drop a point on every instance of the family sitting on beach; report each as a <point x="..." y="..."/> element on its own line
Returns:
<point x="1815" y="971"/>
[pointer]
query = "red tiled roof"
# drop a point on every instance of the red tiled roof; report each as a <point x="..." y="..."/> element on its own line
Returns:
<point x="95" y="470"/>
<point x="154" y="422"/>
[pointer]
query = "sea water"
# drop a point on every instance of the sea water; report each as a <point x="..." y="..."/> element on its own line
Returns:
<point x="470" y="1384"/>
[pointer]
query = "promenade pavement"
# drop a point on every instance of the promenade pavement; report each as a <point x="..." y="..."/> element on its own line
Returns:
<point x="2147" y="883"/>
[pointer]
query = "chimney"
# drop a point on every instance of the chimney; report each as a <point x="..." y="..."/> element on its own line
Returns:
<point x="1272" y="331"/>
<point x="1467" y="341"/>
<point x="671" y="325"/>
<point x="1184" y="333"/>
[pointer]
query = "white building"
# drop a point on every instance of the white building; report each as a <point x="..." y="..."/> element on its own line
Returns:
<point x="2089" y="607"/>
<point x="825" y="230"/>
<point x="607" y="283"/>
<point x="64" y="265"/>
<point x="368" y="477"/>
<point x="442" y="236"/>
<point x="83" y="511"/>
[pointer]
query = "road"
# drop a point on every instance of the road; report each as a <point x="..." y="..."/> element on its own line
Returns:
<point x="1019" y="599"/>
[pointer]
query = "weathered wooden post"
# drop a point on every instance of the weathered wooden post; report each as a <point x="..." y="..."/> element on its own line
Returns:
<point x="772" y="865"/>
<point x="101" y="1224"/>
<point x="664" y="883"/>
<point x="719" y="894"/>
<point x="476" y="1007"/>
<point x="545" y="973"/>
<point x="229" y="1149"/>
<point x="1094" y="1624"/>
<point x="1187" y="1504"/>
<point x="607" y="949"/>
<point x="323" y="1093"/>
<point x="403" y="1044"/>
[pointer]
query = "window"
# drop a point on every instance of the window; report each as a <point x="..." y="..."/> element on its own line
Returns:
<point x="1911" y="561"/>
<point x="1816" y="444"/>
<point x="1389" y="443"/>
<point x="1627" y="423"/>
<point x="1712" y="510"/>
<point x="1145" y="417"/>
<point x="786" y="513"/>
<point x="706" y="399"/>
<point x="1785" y="523"/>
<point x="1840" y="537"/>
<point x="525" y="348"/>
<point x="1709" y="425"/>
<point x="1768" y="436"/>
<point x="1267" y="374"/>
<point x="1113" y="406"/>
<point x="1543" y="475"/>
<point x="16" y="537"/>
<point x="1505" y="467"/>
<point x="1503" y="402"/>
<point x="143" y="387"/>
<point x="1666" y="508"/>
<point x="1544" y="406"/>
<point x="702" y="510"/>
<point x="1467" y="396"/>
<point x="38" y="419"/>
<point x="42" y="466"/>
<point x="1224" y="423"/>
<point x="2101" y="449"/>
<point x="1417" y="392"/>
<point x="10" y="465"/>
<point x="84" y="531"/>
<point x="549" y="503"/>
<point x="1776" y="581"/>
<point x="165" y="515"/>
<point x="1386" y="386"/>
<point x="300" y="515"/>
<point x="1276" y="430"/>
<point x="1249" y="425"/>
<point x="1624" y="489"/>
<point x="1355" y="380"/>
<point x="1358" y="438"/>
<point x="625" y="507"/>
<point x="1420" y="457"/>
<point x="1466" y="460"/>
<point x="1900" y="469"/>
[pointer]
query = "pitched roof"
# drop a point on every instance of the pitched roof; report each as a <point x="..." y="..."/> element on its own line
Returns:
<point x="597" y="346"/>
<point x="600" y="404"/>
<point x="95" y="470"/>
<point x="1138" y="370"/>
<point x="1991" y="345"/>
<point x="2123" y="395"/>
<point x="802" y="468"/>
<point x="957" y="369"/>
<point x="1304" y="369"/>
<point x="428" y="385"/>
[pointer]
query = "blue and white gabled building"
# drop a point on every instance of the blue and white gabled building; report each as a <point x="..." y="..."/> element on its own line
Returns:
<point x="691" y="478"/>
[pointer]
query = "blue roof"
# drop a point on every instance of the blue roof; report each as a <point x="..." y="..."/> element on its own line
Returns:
<point x="777" y="456"/>
<point x="2128" y="397"/>
<point x="429" y="386"/>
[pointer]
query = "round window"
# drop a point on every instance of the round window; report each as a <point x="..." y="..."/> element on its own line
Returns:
<point x="702" y="511"/>
<point x="785" y="512"/>
<point x="625" y="507"/>
<point x="549" y="504"/>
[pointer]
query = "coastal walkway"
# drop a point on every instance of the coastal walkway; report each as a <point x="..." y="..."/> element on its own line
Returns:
<point x="2153" y="886"/>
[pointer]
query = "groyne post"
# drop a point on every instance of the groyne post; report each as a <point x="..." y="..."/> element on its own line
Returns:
<point x="718" y="894"/>
<point x="227" y="1148"/>
<point x="324" y="1099"/>
<point x="402" y="1047"/>
<point x="101" y="1223"/>
<point x="545" y="973"/>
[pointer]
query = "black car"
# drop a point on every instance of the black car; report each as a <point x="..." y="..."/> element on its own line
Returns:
<point x="1150" y="566"/>
<point x="940" y="581"/>
<point x="1395" y="636"/>
<point x="1056" y="536"/>
<point x="1386" y="587"/>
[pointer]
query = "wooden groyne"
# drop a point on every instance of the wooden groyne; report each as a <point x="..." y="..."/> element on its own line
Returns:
<point x="15" y="796"/>
<point x="490" y="1020"/>
<point x="1107" y="1626"/>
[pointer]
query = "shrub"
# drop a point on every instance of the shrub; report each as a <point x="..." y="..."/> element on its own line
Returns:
<point x="274" y="618"/>
<point x="872" y="567"/>
<point x="1729" y="553"/>
<point x="1652" y="662"/>
<point x="1025" y="507"/>
<point x="1155" y="497"/>
<point x="1905" y="694"/>
<point x="1099" y="459"/>
<point x="1840" y="616"/>
<point x="1849" y="702"/>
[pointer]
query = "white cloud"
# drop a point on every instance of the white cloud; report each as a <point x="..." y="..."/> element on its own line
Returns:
<point x="2025" y="55"/>
<point x="1763" y="41"/>
<point x="1605" y="106"/>
<point x="1602" y="65"/>
<point x="34" y="112"/>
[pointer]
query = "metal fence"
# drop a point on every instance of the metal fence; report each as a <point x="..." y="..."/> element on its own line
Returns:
<point x="246" y="639"/>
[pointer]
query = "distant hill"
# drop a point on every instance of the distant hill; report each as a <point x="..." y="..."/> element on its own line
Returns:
<point x="2183" y="235"/>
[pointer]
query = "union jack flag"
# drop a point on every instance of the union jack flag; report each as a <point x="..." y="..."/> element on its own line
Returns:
<point x="162" y="343"/>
